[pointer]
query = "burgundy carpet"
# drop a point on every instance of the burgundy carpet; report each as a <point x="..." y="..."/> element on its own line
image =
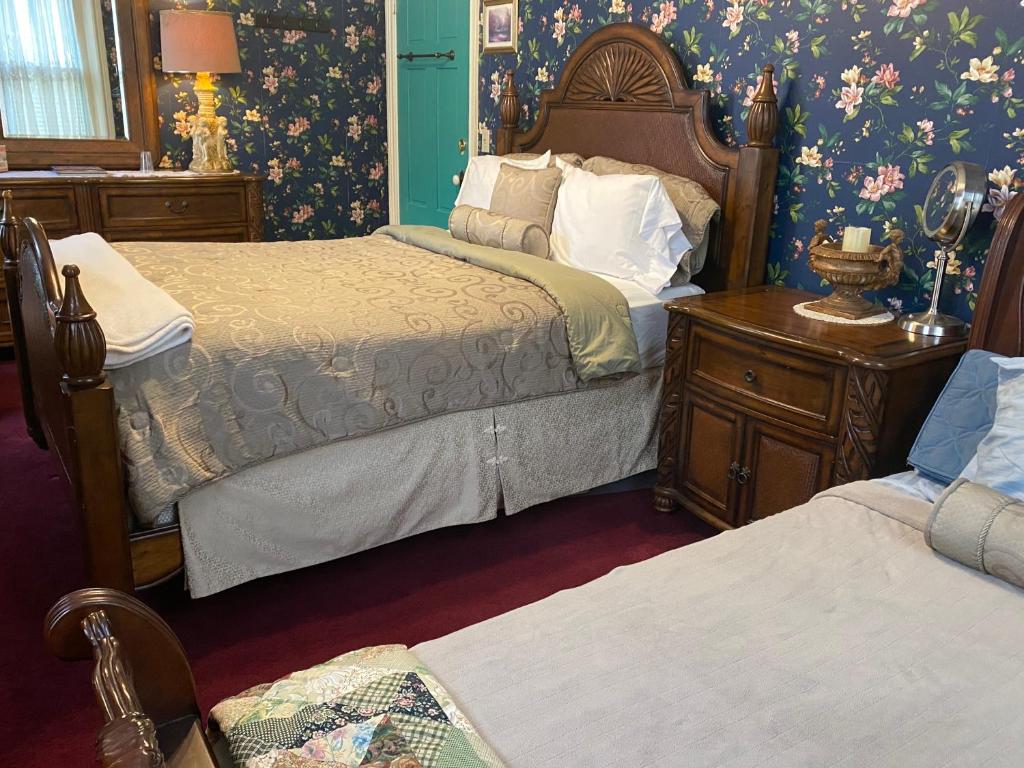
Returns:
<point x="406" y="592"/>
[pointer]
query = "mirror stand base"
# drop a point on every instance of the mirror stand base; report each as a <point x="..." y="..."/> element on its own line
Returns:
<point x="933" y="324"/>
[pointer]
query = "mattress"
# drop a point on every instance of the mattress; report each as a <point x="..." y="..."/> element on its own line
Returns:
<point x="648" y="316"/>
<point x="829" y="634"/>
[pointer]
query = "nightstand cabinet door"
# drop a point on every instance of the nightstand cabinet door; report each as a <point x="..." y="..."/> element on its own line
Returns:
<point x="781" y="469"/>
<point x="710" y="452"/>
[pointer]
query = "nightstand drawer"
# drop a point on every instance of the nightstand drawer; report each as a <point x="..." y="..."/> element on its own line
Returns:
<point x="171" y="205"/>
<point x="767" y="378"/>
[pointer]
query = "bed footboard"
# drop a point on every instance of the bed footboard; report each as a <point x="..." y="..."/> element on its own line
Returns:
<point x="67" y="400"/>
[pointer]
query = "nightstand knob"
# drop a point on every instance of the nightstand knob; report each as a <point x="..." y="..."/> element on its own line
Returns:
<point x="743" y="476"/>
<point x="750" y="377"/>
<point x="734" y="468"/>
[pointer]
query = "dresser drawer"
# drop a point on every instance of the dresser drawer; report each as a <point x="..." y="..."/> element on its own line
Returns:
<point x="54" y="207"/>
<point x="171" y="205"/>
<point x="767" y="378"/>
<point x="201" y="234"/>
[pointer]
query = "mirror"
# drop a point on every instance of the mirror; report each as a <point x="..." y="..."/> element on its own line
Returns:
<point x="76" y="83"/>
<point x="953" y="202"/>
<point x="60" y="73"/>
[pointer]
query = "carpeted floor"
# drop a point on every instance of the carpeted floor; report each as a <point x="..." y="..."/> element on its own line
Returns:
<point x="405" y="592"/>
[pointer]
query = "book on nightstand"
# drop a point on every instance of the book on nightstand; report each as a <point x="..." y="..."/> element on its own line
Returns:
<point x="78" y="170"/>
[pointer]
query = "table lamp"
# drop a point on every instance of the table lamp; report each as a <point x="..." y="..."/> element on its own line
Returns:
<point x="202" y="42"/>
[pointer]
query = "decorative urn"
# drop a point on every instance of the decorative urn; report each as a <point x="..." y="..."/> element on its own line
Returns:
<point x="851" y="273"/>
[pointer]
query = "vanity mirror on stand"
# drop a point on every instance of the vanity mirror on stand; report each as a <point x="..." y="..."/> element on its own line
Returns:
<point x="950" y="208"/>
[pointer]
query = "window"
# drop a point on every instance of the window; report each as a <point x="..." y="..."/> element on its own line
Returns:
<point x="55" y="81"/>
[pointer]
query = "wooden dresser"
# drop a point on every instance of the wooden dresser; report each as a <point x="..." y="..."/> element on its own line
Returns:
<point x="121" y="206"/>
<point x="763" y="408"/>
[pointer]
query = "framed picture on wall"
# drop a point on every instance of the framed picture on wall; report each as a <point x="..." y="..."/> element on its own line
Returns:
<point x="501" y="26"/>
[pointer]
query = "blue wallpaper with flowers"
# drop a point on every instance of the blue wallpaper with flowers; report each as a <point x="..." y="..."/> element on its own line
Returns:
<point x="876" y="95"/>
<point x="308" y="111"/>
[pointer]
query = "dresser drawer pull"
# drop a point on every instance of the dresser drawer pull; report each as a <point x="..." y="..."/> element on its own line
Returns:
<point x="180" y="209"/>
<point x="750" y="377"/>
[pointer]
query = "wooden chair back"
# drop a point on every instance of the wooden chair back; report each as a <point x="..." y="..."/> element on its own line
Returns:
<point x="142" y="680"/>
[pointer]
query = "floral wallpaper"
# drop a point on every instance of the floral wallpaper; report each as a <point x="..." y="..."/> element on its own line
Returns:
<point x="875" y="97"/>
<point x="308" y="111"/>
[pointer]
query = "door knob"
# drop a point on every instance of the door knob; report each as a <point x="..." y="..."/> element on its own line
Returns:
<point x="462" y="146"/>
<point x="457" y="178"/>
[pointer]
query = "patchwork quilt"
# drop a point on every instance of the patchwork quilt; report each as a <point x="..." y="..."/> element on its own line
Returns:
<point x="378" y="707"/>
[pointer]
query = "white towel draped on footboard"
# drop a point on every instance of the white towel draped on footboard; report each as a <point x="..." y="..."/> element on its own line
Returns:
<point x="139" y="319"/>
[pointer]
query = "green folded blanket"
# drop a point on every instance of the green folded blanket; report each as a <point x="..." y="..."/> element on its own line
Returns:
<point x="378" y="707"/>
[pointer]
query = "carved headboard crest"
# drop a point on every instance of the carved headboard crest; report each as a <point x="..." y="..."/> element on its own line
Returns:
<point x="620" y="71"/>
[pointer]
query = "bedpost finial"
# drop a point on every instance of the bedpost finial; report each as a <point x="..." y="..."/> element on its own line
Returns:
<point x="8" y="230"/>
<point x="763" y="119"/>
<point x="510" y="101"/>
<point x="509" y="111"/>
<point x="81" y="347"/>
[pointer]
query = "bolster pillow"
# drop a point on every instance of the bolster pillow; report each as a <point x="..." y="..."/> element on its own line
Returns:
<point x="481" y="227"/>
<point x="980" y="528"/>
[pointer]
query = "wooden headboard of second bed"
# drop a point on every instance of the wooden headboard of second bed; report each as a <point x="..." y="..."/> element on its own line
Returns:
<point x="623" y="94"/>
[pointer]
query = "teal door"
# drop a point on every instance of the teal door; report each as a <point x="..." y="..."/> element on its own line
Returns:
<point x="433" y="106"/>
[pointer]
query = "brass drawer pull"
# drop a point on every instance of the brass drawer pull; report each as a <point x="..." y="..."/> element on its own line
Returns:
<point x="750" y="377"/>
<point x="740" y="474"/>
<point x="180" y="209"/>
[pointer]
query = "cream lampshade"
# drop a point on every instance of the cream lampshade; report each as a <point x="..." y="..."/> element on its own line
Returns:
<point x="202" y="42"/>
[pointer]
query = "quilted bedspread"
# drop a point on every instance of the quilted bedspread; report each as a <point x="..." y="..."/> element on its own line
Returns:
<point x="377" y="707"/>
<point x="302" y="344"/>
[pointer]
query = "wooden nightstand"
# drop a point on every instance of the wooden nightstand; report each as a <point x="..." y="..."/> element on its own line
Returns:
<point x="763" y="408"/>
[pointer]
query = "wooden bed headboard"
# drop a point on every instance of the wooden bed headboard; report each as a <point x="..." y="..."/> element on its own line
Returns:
<point x="623" y="94"/>
<point x="999" y="315"/>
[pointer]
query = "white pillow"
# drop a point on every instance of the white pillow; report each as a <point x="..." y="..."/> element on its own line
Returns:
<point x="482" y="175"/>
<point x="622" y="225"/>
<point x="999" y="462"/>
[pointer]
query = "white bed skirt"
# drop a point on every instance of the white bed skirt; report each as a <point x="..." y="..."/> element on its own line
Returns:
<point x="338" y="499"/>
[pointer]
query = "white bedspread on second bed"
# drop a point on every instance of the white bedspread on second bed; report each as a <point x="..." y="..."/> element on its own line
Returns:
<point x="827" y="635"/>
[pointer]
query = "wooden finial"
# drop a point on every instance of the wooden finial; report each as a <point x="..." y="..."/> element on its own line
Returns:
<point x="510" y="101"/>
<point x="763" y="119"/>
<point x="9" y="231"/>
<point x="81" y="347"/>
<point x="509" y="110"/>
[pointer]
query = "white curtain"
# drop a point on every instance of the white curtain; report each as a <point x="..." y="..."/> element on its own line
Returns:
<point x="54" y="80"/>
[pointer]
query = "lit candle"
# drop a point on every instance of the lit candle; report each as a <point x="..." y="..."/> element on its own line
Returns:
<point x="857" y="239"/>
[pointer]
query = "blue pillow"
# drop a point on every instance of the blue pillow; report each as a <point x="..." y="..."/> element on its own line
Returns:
<point x="1000" y="458"/>
<point x="959" y="420"/>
